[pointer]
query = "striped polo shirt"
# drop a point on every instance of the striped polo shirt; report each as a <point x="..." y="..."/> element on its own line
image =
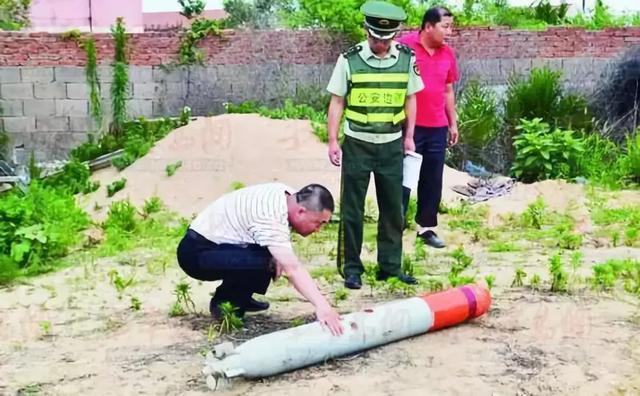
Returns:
<point x="250" y="215"/>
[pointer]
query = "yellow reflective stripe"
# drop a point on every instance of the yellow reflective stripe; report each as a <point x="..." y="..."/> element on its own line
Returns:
<point x="377" y="97"/>
<point x="380" y="77"/>
<point x="375" y="117"/>
<point x="399" y="117"/>
<point x="354" y="115"/>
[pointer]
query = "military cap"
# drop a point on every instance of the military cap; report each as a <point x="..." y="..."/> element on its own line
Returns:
<point x="382" y="19"/>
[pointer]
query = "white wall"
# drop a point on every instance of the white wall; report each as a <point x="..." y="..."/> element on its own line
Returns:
<point x="617" y="6"/>
<point x="172" y="5"/>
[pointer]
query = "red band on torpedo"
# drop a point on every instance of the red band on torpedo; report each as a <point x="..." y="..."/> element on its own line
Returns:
<point x="471" y="300"/>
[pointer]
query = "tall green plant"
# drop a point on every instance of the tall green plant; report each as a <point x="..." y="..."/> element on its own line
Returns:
<point x="629" y="163"/>
<point x="4" y="139"/>
<point x="120" y="84"/>
<point x="91" y="71"/>
<point x="541" y="96"/>
<point x="478" y="118"/>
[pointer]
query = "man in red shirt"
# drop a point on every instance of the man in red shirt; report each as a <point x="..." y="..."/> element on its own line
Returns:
<point x="436" y="125"/>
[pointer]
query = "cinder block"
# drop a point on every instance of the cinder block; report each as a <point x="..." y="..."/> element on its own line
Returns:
<point x="37" y="74"/>
<point x="52" y="124"/>
<point x="140" y="74"/>
<point x="11" y="108"/>
<point x="56" y="145"/>
<point x="68" y="74"/>
<point x="16" y="91"/>
<point x="138" y="108"/>
<point x="77" y="91"/>
<point x="69" y="107"/>
<point x="81" y="124"/>
<point x="164" y="74"/>
<point x="19" y="124"/>
<point x="40" y="107"/>
<point x="9" y="75"/>
<point x="144" y="91"/>
<point x="55" y="90"/>
<point x="105" y="74"/>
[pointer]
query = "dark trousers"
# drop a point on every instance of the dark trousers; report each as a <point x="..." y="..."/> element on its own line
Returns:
<point x="243" y="269"/>
<point x="431" y="143"/>
<point x="360" y="159"/>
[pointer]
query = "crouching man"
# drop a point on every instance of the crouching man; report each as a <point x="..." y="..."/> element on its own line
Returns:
<point x="244" y="239"/>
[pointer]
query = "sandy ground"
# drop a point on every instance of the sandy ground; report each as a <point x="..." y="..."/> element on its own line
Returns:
<point x="529" y="344"/>
<point x="69" y="333"/>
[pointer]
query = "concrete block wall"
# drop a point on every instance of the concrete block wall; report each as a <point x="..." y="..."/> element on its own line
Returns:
<point x="46" y="109"/>
<point x="45" y="99"/>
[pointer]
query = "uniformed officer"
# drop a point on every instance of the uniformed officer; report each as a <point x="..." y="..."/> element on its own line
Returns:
<point x="374" y="84"/>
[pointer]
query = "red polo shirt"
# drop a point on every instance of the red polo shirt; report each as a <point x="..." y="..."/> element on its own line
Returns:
<point x="437" y="71"/>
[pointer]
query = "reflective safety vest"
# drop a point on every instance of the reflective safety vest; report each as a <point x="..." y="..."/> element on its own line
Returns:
<point x="375" y="96"/>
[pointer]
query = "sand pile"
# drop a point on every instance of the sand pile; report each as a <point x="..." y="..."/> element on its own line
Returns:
<point x="218" y="151"/>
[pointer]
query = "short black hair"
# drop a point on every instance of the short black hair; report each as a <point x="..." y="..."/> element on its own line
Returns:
<point x="434" y="15"/>
<point x="315" y="198"/>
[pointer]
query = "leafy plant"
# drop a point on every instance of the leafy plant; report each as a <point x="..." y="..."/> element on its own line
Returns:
<point x="518" y="278"/>
<point x="185" y="115"/>
<point x="172" y="168"/>
<point x="490" y="279"/>
<point x="500" y="247"/>
<point x="559" y="278"/>
<point x="183" y="297"/>
<point x="116" y="186"/>
<point x="36" y="229"/>
<point x="408" y="266"/>
<point x="553" y="15"/>
<point x="191" y="8"/>
<point x="341" y="294"/>
<point x="152" y="205"/>
<point x="229" y="320"/>
<point x="462" y="262"/>
<point x="607" y="275"/>
<point x="121" y="217"/>
<point x="535" y="282"/>
<point x="136" y="304"/>
<point x="370" y="277"/>
<point x="120" y="283"/>
<point x="188" y="53"/>
<point x="45" y="328"/>
<point x="73" y="178"/>
<point x="544" y="154"/>
<point x="14" y="14"/>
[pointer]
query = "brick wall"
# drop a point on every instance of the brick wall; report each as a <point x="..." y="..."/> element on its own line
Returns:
<point x="44" y="96"/>
<point x="311" y="47"/>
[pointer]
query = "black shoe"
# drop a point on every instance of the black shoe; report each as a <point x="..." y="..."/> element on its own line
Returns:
<point x="408" y="279"/>
<point x="430" y="238"/>
<point x="255" y="306"/>
<point x="353" y="282"/>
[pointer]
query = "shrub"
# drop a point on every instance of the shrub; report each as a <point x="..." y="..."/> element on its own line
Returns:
<point x="541" y="154"/>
